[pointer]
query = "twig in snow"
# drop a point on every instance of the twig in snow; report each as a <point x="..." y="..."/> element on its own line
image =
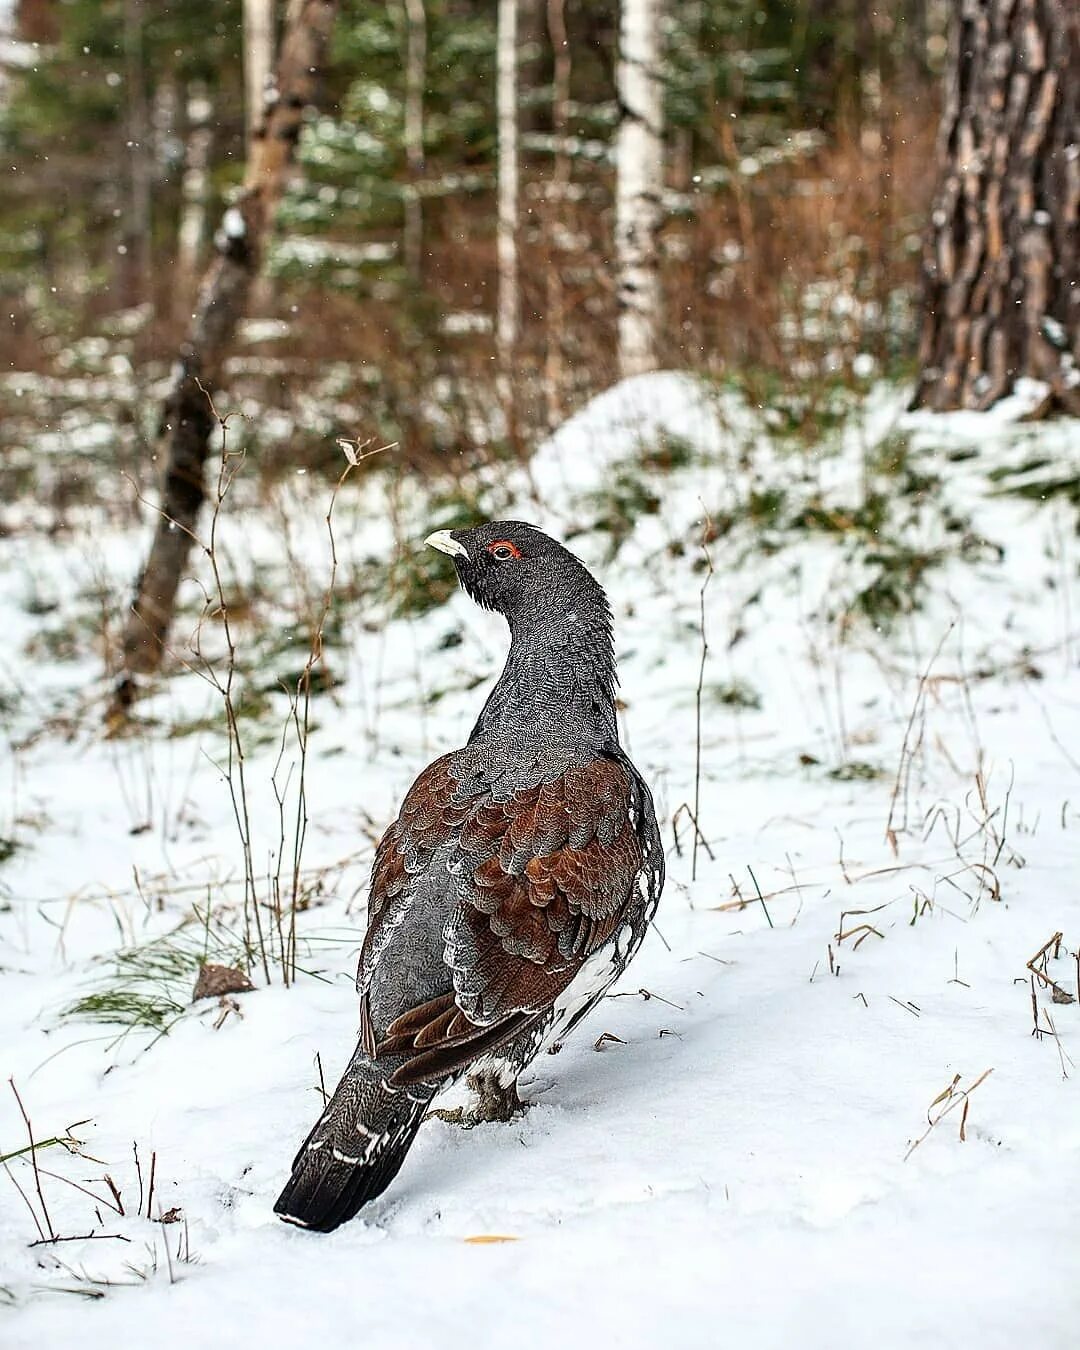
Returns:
<point x="706" y="535"/>
<point x="697" y="832"/>
<point x="150" y="1188"/>
<point x="26" y="1202"/>
<point x="138" y="1173"/>
<point x="33" y="1162"/>
<point x="81" y="1237"/>
<point x="113" y="1204"/>
<point x="300" y="703"/>
<point x="956" y="970"/>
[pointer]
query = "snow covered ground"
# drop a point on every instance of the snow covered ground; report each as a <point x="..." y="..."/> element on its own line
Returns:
<point x="818" y="1110"/>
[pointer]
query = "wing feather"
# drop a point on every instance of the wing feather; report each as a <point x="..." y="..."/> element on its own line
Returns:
<point x="542" y="880"/>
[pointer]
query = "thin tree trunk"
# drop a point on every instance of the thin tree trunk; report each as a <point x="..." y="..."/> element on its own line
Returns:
<point x="1002" y="255"/>
<point x="556" y="200"/>
<point x="194" y="194"/>
<point x="135" y="248"/>
<point x="415" y="79"/>
<point x="258" y="63"/>
<point x="639" y="170"/>
<point x="508" y="303"/>
<point x="187" y="421"/>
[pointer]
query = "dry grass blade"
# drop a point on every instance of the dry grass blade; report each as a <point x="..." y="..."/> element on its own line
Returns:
<point x="1058" y="994"/>
<point x="906" y="749"/>
<point x="949" y="1099"/>
<point x="66" y="1140"/>
<point x="757" y="888"/>
<point x="706" y="535"/>
<point x="865" y="929"/>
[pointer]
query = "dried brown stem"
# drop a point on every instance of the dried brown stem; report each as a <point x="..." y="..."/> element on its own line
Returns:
<point x="34" y="1162"/>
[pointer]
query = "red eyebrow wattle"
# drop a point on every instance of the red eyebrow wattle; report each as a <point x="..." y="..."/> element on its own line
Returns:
<point x="504" y="543"/>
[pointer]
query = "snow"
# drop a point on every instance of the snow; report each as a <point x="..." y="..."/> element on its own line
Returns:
<point x="738" y="1165"/>
<point x="233" y="223"/>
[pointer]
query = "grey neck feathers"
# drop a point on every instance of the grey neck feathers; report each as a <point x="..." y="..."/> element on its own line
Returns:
<point x="559" y="680"/>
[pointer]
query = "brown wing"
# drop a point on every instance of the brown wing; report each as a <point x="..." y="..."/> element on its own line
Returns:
<point x="543" y="878"/>
<point x="431" y="814"/>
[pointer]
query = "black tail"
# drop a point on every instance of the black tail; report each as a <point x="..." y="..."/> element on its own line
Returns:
<point x="354" y="1151"/>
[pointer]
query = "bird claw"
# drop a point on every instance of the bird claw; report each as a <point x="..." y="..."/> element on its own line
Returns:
<point x="492" y="1102"/>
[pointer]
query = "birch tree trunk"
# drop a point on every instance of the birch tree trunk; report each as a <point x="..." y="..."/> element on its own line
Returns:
<point x="194" y="193"/>
<point x="639" y="168"/>
<point x="1002" y="256"/>
<point x="187" y="420"/>
<point x="135" y="249"/>
<point x="508" y="300"/>
<point x="258" y="62"/>
<point x="415" y="79"/>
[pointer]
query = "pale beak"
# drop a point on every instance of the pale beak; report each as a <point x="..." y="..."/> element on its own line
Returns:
<point x="445" y="542"/>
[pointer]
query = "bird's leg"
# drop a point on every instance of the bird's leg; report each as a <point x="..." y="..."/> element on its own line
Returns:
<point x="494" y="1100"/>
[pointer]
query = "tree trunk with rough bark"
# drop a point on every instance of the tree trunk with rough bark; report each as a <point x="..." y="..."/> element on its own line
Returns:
<point x="555" y="201"/>
<point x="640" y="180"/>
<point x="187" y="419"/>
<point x="1001" y="264"/>
<point x="506" y="239"/>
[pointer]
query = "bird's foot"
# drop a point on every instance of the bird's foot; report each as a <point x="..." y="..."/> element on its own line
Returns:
<point x="492" y="1102"/>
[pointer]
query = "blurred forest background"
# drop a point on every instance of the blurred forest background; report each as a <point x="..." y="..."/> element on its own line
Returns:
<point x="446" y="224"/>
<point x="798" y="148"/>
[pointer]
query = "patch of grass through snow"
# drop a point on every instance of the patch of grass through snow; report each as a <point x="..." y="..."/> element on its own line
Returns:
<point x="149" y="988"/>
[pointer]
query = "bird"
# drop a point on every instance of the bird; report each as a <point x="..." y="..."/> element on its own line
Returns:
<point x="514" y="887"/>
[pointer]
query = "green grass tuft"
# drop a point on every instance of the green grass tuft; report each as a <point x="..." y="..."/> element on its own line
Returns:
<point x="736" y="694"/>
<point x="855" y="771"/>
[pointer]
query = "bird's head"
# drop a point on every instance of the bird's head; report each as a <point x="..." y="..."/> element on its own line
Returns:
<point x="518" y="571"/>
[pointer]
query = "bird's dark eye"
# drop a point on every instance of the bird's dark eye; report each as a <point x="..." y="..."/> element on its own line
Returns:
<point x="502" y="550"/>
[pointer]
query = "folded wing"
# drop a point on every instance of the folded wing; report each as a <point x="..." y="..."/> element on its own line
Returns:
<point x="542" y="880"/>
